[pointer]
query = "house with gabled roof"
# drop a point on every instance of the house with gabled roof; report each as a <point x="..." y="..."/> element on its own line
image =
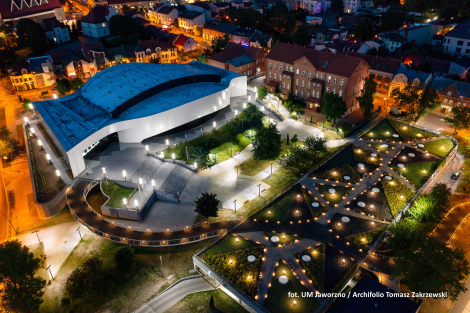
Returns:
<point x="11" y="11"/>
<point x="55" y="30"/>
<point x="95" y="23"/>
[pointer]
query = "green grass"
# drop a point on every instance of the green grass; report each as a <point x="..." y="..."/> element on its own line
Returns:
<point x="310" y="199"/>
<point x="279" y="209"/>
<point x="253" y="167"/>
<point x="199" y="302"/>
<point x="315" y="269"/>
<point x="364" y="155"/>
<point x="365" y="240"/>
<point x="439" y="147"/>
<point x="397" y="194"/>
<point x="336" y="197"/>
<point x="283" y="238"/>
<point x="417" y="173"/>
<point x="115" y="193"/>
<point x="337" y="174"/>
<point x="408" y="132"/>
<point x="278" y="300"/>
<point x="223" y="136"/>
<point x="462" y="148"/>
<point x="383" y="130"/>
<point x="379" y="147"/>
<point x="235" y="268"/>
<point x="230" y="243"/>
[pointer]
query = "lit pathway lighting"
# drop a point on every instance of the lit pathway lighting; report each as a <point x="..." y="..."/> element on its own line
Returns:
<point x="104" y="173"/>
<point x="214" y="124"/>
<point x="124" y="174"/>
<point x="235" y="203"/>
<point x="136" y="203"/>
<point x="236" y="112"/>
<point x="48" y="157"/>
<point x="124" y="201"/>
<point x="33" y="132"/>
<point x="195" y="165"/>
<point x="167" y="142"/>
<point x="147" y="148"/>
<point x="141" y="186"/>
<point x="244" y="105"/>
<point x="173" y="157"/>
<point x="162" y="155"/>
<point x="259" y="190"/>
<point x="26" y="120"/>
<point x="40" y="144"/>
<point x="153" y="183"/>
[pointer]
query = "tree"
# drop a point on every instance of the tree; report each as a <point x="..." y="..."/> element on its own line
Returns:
<point x="301" y="35"/>
<point x="8" y="39"/>
<point x="123" y="25"/>
<point x="460" y="118"/>
<point x="337" y="6"/>
<point x="76" y="83"/>
<point x="366" y="99"/>
<point x="31" y="35"/>
<point x="64" y="86"/>
<point x="407" y="98"/>
<point x="394" y="18"/>
<point x="333" y="106"/>
<point x="202" y="58"/>
<point x="124" y="258"/>
<point x="125" y="8"/>
<point x="432" y="266"/>
<point x="6" y="148"/>
<point x="404" y="233"/>
<point x="155" y="60"/>
<point x="21" y="291"/>
<point x="429" y="101"/>
<point x="316" y="146"/>
<point x="300" y="14"/>
<point x="88" y="280"/>
<point x="262" y="92"/>
<point x="298" y="159"/>
<point x="288" y="23"/>
<point x="267" y="143"/>
<point x="207" y="205"/>
<point x="219" y="43"/>
<point x="364" y="30"/>
<point x="5" y="133"/>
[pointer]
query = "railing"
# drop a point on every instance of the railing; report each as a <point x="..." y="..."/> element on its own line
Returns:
<point x="372" y="269"/>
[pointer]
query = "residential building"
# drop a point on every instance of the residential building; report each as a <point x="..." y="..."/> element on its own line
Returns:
<point x="95" y="57"/>
<point x="437" y="67"/>
<point x="381" y="70"/>
<point x="11" y="11"/>
<point x="184" y="43"/>
<point x="75" y="64"/>
<point x="135" y="53"/>
<point x="217" y="7"/>
<point x="202" y="7"/>
<point x="392" y="41"/>
<point x="43" y="71"/>
<point x="325" y="34"/>
<point x="458" y="40"/>
<point x="421" y="34"/>
<point x="95" y="23"/>
<point x="460" y="66"/>
<point x="308" y="73"/>
<point x="350" y="6"/>
<point x="451" y="93"/>
<point x="165" y="15"/>
<point x="437" y="40"/>
<point x="55" y="30"/>
<point x="21" y="76"/>
<point x="117" y="4"/>
<point x="405" y="76"/>
<point x="165" y="51"/>
<point x="243" y="35"/>
<point x="213" y="31"/>
<point x="249" y="61"/>
<point x="369" y="44"/>
<point x="189" y="20"/>
<point x="117" y="55"/>
<point x="261" y="40"/>
<point x="312" y="6"/>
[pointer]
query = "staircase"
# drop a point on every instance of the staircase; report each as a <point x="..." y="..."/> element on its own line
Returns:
<point x="384" y="279"/>
<point x="147" y="169"/>
<point x="176" y="182"/>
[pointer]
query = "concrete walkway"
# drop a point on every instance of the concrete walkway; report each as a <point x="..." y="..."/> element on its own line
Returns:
<point x="449" y="224"/>
<point x="58" y="240"/>
<point x="170" y="297"/>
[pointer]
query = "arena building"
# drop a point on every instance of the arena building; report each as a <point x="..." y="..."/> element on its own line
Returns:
<point x="135" y="101"/>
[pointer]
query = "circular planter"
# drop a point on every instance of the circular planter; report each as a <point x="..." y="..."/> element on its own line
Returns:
<point x="411" y="155"/>
<point x="361" y="204"/>
<point x="251" y="258"/>
<point x="420" y="145"/>
<point x="275" y="239"/>
<point x="345" y="219"/>
<point x="283" y="280"/>
<point x="315" y="204"/>
<point x="360" y="165"/>
<point x="373" y="155"/>
<point x="306" y="258"/>
<point x="347" y="178"/>
<point x="375" y="189"/>
<point x="384" y="146"/>
<point x="400" y="165"/>
<point x="331" y="190"/>
<point x="388" y="177"/>
<point x="395" y="135"/>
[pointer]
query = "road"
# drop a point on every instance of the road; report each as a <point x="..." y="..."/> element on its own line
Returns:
<point x="3" y="209"/>
<point x="170" y="297"/>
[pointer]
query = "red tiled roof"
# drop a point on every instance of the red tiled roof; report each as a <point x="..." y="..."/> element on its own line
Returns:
<point x="233" y="50"/>
<point x="387" y="65"/>
<point x="273" y="83"/>
<point x="181" y="40"/>
<point x="88" y="48"/>
<point x="339" y="64"/>
<point x="96" y="15"/>
<point x="7" y="13"/>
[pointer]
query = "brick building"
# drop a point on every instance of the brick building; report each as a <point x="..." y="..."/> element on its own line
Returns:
<point x="451" y="93"/>
<point x="309" y="73"/>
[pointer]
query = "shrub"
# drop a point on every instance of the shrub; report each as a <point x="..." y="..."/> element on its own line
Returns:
<point x="124" y="258"/>
<point x="315" y="269"/>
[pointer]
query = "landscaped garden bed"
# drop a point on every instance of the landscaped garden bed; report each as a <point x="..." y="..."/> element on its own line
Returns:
<point x="396" y="193"/>
<point x="235" y="268"/>
<point x="347" y="225"/>
<point x="278" y="299"/>
<point x="116" y="193"/>
<point x="365" y="240"/>
<point x="291" y="206"/>
<point x="383" y="131"/>
<point x="410" y="155"/>
<point x="337" y="196"/>
<point x="337" y="265"/>
<point x="283" y="238"/>
<point x="408" y="132"/>
<point x="316" y="210"/>
<point x="341" y="164"/>
<point x="229" y="243"/>
<point x="373" y="201"/>
<point x="417" y="173"/>
<point x="382" y="147"/>
<point x="315" y="268"/>
<point x="439" y="147"/>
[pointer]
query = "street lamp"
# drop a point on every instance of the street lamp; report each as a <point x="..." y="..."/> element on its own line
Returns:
<point x="136" y="203"/>
<point x="173" y="157"/>
<point x="124" y="174"/>
<point x="259" y="190"/>
<point x="195" y="165"/>
<point x="26" y="120"/>
<point x="33" y="132"/>
<point x="147" y="148"/>
<point x="167" y="142"/>
<point x="153" y="183"/>
<point x="40" y="144"/>
<point x="236" y="112"/>
<point x="215" y="124"/>
<point x="54" y="96"/>
<point x="162" y="155"/>
<point x="235" y="203"/>
<point x="124" y="201"/>
<point x="48" y="157"/>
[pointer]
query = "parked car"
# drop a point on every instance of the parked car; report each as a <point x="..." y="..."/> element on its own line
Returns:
<point x="455" y="175"/>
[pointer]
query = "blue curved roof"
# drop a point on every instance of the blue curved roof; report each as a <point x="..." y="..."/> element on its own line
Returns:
<point x="77" y="116"/>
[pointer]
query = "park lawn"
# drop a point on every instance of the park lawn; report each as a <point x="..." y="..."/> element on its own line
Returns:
<point x="148" y="276"/>
<point x="383" y="130"/>
<point x="283" y="238"/>
<point x="230" y="243"/>
<point x="279" y="209"/>
<point x="365" y="240"/>
<point x="199" y="302"/>
<point x="116" y="193"/>
<point x="278" y="300"/>
<point x="439" y="147"/>
<point x="462" y="148"/>
<point x="253" y="167"/>
<point x="397" y="194"/>
<point x="379" y="147"/>
<point x="224" y="135"/>
<point x="315" y="269"/>
<point x="337" y="174"/>
<point x="417" y="173"/>
<point x="408" y="132"/>
<point x="365" y="156"/>
<point x="336" y="197"/>
<point x="38" y="251"/>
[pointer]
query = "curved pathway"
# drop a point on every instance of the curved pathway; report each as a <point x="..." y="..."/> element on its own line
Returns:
<point x="451" y="222"/>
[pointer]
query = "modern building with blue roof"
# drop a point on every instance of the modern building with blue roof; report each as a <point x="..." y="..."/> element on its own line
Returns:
<point x="137" y="101"/>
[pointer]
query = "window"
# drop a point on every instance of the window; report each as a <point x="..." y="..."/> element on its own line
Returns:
<point x="445" y="101"/>
<point x="270" y="65"/>
<point x="284" y="85"/>
<point x="340" y="93"/>
<point x="275" y="66"/>
<point x="334" y="90"/>
<point x="386" y="79"/>
<point x="318" y="94"/>
<point x="451" y="102"/>
<point x="458" y="50"/>
<point x="269" y="75"/>
<point x="103" y="25"/>
<point x="460" y="43"/>
<point x="301" y="94"/>
<point x="328" y="80"/>
<point x="321" y="76"/>
<point x="308" y="95"/>
<point x="296" y="93"/>
<point x="449" y="93"/>
<point x="379" y="77"/>
<point x="303" y="84"/>
<point x="327" y="89"/>
<point x="287" y="85"/>
<point x="296" y="82"/>
<point x="298" y="72"/>
<point x="309" y="75"/>
<point x="305" y="62"/>
<point x="308" y="85"/>
<point x="303" y="73"/>
<point x="280" y="67"/>
<point x="334" y="81"/>
<point x="275" y="76"/>
<point x="316" y="76"/>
